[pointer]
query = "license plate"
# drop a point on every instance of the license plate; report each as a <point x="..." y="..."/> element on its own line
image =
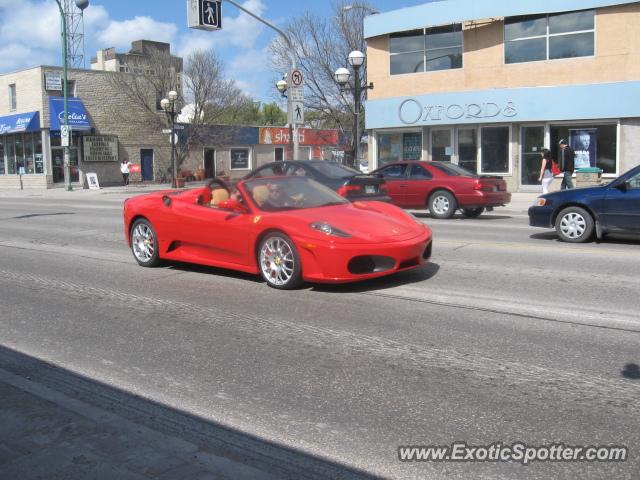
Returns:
<point x="370" y="189"/>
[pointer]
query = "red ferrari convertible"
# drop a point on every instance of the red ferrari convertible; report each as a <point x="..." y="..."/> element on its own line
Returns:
<point x="288" y="229"/>
<point x="443" y="188"/>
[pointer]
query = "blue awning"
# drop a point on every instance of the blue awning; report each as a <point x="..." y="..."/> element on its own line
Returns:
<point x="76" y="114"/>
<point x="23" y="122"/>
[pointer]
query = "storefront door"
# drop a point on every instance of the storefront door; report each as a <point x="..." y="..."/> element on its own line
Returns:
<point x="468" y="149"/>
<point x="442" y="145"/>
<point x="209" y="162"/>
<point x="532" y="143"/>
<point x="146" y="162"/>
<point x="57" y="164"/>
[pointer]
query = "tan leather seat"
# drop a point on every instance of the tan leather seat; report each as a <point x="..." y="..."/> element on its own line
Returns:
<point x="218" y="195"/>
<point x="260" y="194"/>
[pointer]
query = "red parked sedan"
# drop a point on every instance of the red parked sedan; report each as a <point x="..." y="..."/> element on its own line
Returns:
<point x="443" y="188"/>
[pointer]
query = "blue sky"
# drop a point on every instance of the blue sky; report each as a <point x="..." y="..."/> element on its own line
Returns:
<point x="29" y="32"/>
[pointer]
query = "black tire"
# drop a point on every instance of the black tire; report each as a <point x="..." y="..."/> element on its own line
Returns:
<point x="574" y="225"/>
<point x="442" y="204"/>
<point x="472" y="212"/>
<point x="144" y="243"/>
<point x="281" y="269"/>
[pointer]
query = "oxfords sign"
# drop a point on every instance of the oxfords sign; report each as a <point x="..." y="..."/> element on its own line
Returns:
<point x="100" y="148"/>
<point x="411" y="111"/>
<point x="306" y="136"/>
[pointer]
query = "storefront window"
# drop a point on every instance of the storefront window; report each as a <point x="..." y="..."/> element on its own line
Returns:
<point x="395" y="147"/>
<point x="240" y="159"/>
<point x="2" y="160"/>
<point x="546" y="37"/>
<point x="594" y="145"/>
<point x="29" y="163"/>
<point x="441" y="149"/>
<point x="468" y="149"/>
<point x="19" y="153"/>
<point x="10" y="150"/>
<point x="494" y="146"/>
<point x="532" y="144"/>
<point x="38" y="156"/>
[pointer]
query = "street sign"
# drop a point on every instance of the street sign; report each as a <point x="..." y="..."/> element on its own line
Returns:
<point x="296" y="113"/>
<point x="65" y="135"/>
<point x="178" y="127"/>
<point x="204" y="14"/>
<point x="296" y="94"/>
<point x="296" y="78"/>
<point x="166" y="130"/>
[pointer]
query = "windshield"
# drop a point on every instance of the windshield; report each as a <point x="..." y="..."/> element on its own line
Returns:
<point x="335" y="170"/>
<point x="453" y="169"/>
<point x="290" y="193"/>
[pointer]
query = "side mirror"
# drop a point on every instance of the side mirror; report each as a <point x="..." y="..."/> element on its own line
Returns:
<point x="233" y="205"/>
<point x="166" y="200"/>
<point x="623" y="186"/>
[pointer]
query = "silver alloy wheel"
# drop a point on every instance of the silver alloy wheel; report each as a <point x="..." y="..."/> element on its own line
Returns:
<point x="143" y="242"/>
<point x="573" y="225"/>
<point x="441" y="204"/>
<point x="277" y="261"/>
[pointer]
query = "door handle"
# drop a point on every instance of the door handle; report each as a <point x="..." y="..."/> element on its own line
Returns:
<point x="403" y="186"/>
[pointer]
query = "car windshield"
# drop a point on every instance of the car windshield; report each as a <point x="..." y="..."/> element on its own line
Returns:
<point x="453" y="169"/>
<point x="335" y="170"/>
<point x="290" y="193"/>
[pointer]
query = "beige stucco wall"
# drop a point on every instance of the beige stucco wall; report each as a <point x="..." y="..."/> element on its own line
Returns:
<point x="617" y="58"/>
<point x="28" y="87"/>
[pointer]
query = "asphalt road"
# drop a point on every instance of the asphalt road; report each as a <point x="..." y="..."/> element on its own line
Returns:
<point x="507" y="335"/>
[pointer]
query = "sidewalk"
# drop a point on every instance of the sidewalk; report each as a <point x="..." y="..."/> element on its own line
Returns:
<point x="46" y="434"/>
<point x="520" y="201"/>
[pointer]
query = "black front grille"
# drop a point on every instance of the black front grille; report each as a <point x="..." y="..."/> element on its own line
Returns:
<point x="363" y="264"/>
<point x="427" y="252"/>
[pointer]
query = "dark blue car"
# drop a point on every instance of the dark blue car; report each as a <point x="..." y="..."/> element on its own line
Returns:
<point x="579" y="213"/>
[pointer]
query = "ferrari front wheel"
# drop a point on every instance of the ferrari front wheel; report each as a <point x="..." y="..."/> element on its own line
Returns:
<point x="144" y="243"/>
<point x="279" y="262"/>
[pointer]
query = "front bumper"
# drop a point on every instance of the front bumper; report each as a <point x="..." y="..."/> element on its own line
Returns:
<point x="541" y="217"/>
<point x="329" y="262"/>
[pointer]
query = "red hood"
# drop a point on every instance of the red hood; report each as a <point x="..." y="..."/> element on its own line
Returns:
<point x="368" y="222"/>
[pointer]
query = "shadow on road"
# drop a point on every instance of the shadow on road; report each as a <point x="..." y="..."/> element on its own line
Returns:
<point x="31" y="215"/>
<point x="609" y="239"/>
<point x="631" y="371"/>
<point x="206" y="270"/>
<point x="421" y="274"/>
<point x="458" y="216"/>
<point x="277" y="459"/>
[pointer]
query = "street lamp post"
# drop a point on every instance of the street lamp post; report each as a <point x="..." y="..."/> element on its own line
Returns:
<point x="81" y="4"/>
<point x="342" y="77"/>
<point x="282" y="87"/>
<point x="169" y="107"/>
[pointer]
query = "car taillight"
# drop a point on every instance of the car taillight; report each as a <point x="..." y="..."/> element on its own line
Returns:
<point x="344" y="190"/>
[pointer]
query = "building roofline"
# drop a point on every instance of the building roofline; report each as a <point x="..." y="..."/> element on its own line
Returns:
<point x="445" y="12"/>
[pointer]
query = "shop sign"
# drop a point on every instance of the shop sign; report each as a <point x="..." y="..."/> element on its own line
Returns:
<point x="100" y="148"/>
<point x="411" y="111"/>
<point x="53" y="81"/>
<point x="306" y="136"/>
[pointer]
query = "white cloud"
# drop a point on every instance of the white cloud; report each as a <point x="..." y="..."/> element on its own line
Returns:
<point x="120" y="34"/>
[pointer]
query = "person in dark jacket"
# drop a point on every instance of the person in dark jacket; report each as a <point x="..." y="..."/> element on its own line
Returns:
<point x="566" y="161"/>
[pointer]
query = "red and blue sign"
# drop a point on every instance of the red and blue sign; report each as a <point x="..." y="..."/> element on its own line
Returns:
<point x="76" y="114"/>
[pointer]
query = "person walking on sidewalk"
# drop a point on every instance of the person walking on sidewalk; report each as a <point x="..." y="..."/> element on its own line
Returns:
<point x="567" y="164"/>
<point x="546" y="175"/>
<point x="124" y="168"/>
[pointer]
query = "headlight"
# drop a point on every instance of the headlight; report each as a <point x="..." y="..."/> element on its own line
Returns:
<point x="328" y="229"/>
<point x="540" y="202"/>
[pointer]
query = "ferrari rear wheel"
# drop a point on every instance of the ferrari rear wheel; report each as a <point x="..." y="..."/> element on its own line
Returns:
<point x="144" y="243"/>
<point x="279" y="262"/>
<point x="442" y="204"/>
<point x="472" y="212"/>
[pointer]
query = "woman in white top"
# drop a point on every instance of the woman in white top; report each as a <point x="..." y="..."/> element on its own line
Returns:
<point x="124" y="168"/>
<point x="546" y="177"/>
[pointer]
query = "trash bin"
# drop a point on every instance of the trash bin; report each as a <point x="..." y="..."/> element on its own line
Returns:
<point x="588" y="177"/>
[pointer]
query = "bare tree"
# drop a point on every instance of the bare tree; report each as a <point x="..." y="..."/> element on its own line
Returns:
<point x="322" y="45"/>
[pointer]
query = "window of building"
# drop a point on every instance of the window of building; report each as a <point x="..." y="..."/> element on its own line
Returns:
<point x="547" y="37"/>
<point x="278" y="154"/>
<point x="426" y="50"/>
<point x="494" y="149"/>
<point x="13" y="101"/>
<point x="394" y="147"/>
<point x="594" y="145"/>
<point x="240" y="159"/>
<point x="468" y="149"/>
